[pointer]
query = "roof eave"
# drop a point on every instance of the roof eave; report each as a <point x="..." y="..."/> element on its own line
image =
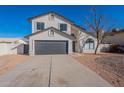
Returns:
<point x="28" y="36"/>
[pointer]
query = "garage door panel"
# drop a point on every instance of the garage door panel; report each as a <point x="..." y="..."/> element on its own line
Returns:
<point x="51" y="47"/>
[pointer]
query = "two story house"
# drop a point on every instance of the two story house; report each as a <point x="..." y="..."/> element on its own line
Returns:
<point x="55" y="34"/>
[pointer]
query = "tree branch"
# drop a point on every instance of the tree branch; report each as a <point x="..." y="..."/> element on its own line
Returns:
<point x="90" y="25"/>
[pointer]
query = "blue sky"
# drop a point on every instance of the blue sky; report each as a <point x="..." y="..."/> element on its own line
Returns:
<point x="13" y="19"/>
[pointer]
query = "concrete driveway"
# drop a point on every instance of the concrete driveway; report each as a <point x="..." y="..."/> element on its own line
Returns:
<point x="52" y="71"/>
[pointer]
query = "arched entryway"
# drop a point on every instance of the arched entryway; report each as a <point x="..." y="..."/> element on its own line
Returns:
<point x="89" y="44"/>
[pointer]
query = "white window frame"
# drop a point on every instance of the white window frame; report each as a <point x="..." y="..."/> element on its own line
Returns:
<point x="40" y="29"/>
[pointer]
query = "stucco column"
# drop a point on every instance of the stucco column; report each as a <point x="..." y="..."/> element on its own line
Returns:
<point x="31" y="47"/>
<point x="70" y="47"/>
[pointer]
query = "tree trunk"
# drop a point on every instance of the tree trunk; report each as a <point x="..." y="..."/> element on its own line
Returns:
<point x="96" y="48"/>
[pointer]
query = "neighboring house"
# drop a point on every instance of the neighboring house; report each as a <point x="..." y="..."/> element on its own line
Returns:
<point x="55" y="34"/>
<point x="116" y="37"/>
<point x="12" y="46"/>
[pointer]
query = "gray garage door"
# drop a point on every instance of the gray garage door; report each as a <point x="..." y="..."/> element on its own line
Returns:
<point x="51" y="47"/>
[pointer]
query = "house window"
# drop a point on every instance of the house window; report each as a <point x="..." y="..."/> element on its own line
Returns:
<point x="89" y="44"/>
<point x="40" y="26"/>
<point x="51" y="33"/>
<point x="63" y="27"/>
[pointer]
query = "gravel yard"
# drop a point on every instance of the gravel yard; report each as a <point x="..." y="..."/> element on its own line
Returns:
<point x="113" y="63"/>
<point x="109" y="66"/>
<point x="8" y="62"/>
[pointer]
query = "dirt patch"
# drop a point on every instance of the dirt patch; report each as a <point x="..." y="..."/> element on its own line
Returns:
<point x="108" y="66"/>
<point x="62" y="81"/>
<point x="8" y="62"/>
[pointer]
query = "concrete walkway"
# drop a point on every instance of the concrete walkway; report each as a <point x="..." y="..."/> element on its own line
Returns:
<point x="52" y="71"/>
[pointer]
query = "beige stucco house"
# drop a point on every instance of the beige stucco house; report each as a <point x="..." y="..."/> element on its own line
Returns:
<point x="55" y="34"/>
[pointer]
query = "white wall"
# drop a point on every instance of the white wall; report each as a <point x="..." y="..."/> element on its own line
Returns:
<point x="103" y="48"/>
<point x="49" y="23"/>
<point x="10" y="48"/>
<point x="45" y="36"/>
<point x="3" y="48"/>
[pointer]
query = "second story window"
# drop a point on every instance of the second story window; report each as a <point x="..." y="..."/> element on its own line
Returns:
<point x="63" y="27"/>
<point x="40" y="26"/>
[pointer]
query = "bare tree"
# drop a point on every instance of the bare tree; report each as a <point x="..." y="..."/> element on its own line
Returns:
<point x="98" y="25"/>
